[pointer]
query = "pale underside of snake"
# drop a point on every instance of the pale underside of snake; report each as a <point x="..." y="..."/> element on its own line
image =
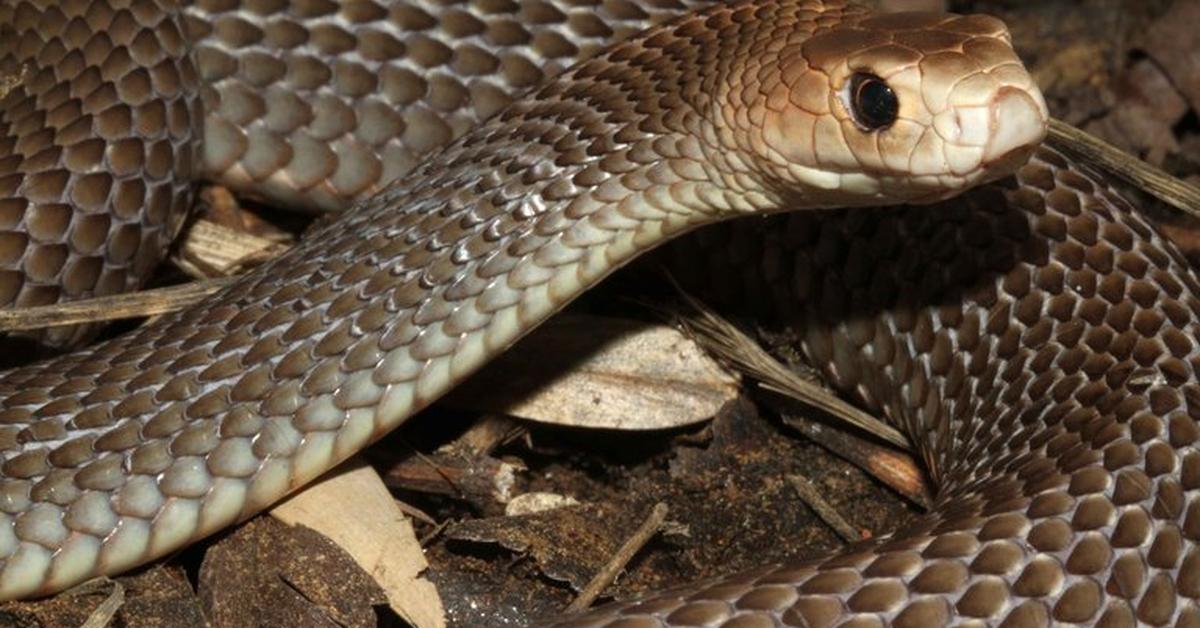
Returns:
<point x="1038" y="345"/>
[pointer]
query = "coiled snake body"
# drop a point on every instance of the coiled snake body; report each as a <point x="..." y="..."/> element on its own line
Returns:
<point x="1050" y="394"/>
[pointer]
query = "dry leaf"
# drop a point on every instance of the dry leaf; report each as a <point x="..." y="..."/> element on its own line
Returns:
<point x="600" y="372"/>
<point x="1172" y="42"/>
<point x="569" y="544"/>
<point x="354" y="509"/>
<point x="267" y="573"/>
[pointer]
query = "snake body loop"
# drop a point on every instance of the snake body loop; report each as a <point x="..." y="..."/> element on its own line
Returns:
<point x="1039" y="343"/>
<point x="1048" y="385"/>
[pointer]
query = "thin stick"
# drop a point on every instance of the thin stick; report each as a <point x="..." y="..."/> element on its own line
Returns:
<point x="632" y="545"/>
<point x="132" y="305"/>
<point x="825" y="511"/>
<point x="896" y="469"/>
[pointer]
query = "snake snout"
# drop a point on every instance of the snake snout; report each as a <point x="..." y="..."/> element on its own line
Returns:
<point x="1019" y="121"/>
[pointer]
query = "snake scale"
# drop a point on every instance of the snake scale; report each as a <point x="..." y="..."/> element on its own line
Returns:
<point x="1036" y="340"/>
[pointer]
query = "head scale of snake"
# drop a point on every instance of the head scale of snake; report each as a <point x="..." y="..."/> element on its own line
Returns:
<point x="966" y="111"/>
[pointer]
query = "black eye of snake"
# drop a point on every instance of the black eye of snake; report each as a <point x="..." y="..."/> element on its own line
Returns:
<point x="872" y="102"/>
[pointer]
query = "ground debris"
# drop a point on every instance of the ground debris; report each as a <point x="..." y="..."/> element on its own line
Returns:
<point x="268" y="574"/>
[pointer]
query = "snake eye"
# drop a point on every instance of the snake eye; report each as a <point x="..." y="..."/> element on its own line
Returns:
<point x="872" y="102"/>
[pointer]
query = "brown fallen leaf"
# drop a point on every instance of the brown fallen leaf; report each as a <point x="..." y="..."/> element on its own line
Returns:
<point x="569" y="544"/>
<point x="269" y="574"/>
<point x="1173" y="41"/>
<point x="1144" y="117"/>
<point x="588" y="371"/>
<point x="352" y="507"/>
<point x="160" y="597"/>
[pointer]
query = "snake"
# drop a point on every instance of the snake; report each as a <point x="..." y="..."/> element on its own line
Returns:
<point x="1035" y="339"/>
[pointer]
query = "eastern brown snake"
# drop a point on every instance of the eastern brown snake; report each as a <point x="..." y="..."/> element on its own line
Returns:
<point x="1038" y="348"/>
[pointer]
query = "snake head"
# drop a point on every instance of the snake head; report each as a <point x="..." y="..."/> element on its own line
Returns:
<point x="912" y="107"/>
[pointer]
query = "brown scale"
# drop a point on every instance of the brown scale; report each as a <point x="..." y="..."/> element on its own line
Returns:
<point x="316" y="107"/>
<point x="151" y="422"/>
<point x="292" y="107"/>
<point x="1038" y="342"/>
<point x="96" y="122"/>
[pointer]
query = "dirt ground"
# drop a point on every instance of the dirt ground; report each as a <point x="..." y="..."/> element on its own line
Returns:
<point x="1127" y="72"/>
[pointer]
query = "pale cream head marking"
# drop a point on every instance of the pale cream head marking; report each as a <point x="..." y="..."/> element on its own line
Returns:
<point x="965" y="109"/>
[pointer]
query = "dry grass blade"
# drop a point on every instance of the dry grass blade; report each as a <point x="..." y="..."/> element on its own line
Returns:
<point x="729" y="344"/>
<point x="133" y="305"/>
<point x="1128" y="168"/>
<point x="104" y="614"/>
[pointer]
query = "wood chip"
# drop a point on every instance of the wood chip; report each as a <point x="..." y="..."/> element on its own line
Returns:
<point x="353" y="508"/>
<point x="210" y="249"/>
<point x="535" y="502"/>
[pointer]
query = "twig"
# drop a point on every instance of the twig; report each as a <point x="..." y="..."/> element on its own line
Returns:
<point x="434" y="533"/>
<point x="621" y="558"/>
<point x="133" y="305"/>
<point x="812" y="497"/>
<point x="415" y="513"/>
<point x="1128" y="168"/>
<point x="896" y="469"/>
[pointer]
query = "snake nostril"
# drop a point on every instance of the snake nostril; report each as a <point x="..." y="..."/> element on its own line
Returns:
<point x="1018" y="123"/>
